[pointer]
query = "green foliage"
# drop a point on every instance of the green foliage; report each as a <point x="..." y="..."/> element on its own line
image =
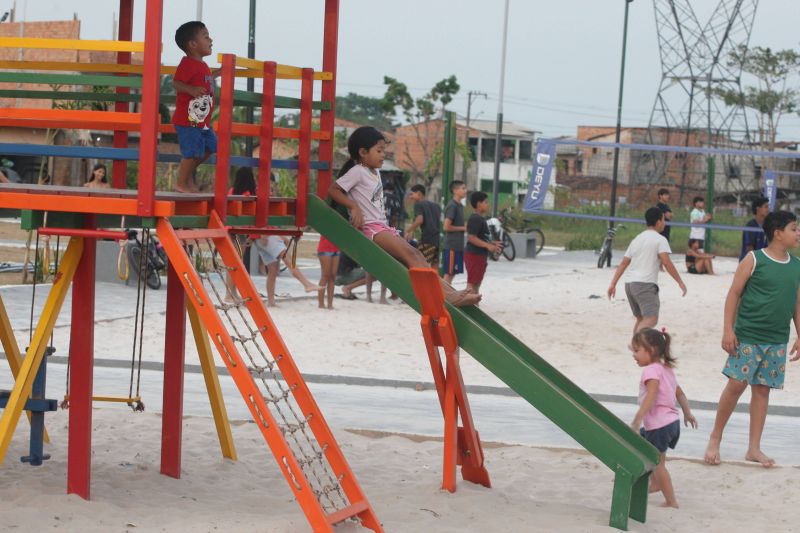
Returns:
<point x="285" y="184"/>
<point x="584" y="241"/>
<point x="772" y="96"/>
<point x="363" y="110"/>
<point x="419" y="111"/>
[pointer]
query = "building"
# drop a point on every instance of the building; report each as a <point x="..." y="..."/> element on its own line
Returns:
<point x="417" y="145"/>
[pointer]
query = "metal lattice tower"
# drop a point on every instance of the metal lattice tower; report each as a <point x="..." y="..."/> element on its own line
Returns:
<point x="694" y="64"/>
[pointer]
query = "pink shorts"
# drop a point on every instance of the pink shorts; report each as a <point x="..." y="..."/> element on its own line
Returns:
<point x="370" y="229"/>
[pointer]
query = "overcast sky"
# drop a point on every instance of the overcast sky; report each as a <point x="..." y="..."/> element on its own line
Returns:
<point x="563" y="55"/>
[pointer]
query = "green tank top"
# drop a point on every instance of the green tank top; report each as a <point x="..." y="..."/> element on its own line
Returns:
<point x="768" y="301"/>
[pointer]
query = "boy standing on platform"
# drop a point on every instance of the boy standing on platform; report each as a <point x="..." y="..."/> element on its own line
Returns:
<point x="194" y="85"/>
<point x="453" y="256"/>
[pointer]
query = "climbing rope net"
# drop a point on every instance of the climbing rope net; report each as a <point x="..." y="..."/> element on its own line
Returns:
<point x="264" y="368"/>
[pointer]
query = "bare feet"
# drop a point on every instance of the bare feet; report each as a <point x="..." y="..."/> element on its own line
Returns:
<point x="384" y="301"/>
<point x="462" y="298"/>
<point x="757" y="456"/>
<point x="186" y="188"/>
<point x="312" y="288"/>
<point x="711" y="456"/>
<point x="673" y="504"/>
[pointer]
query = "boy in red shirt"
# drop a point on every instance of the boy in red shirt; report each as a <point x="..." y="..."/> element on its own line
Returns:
<point x="194" y="85"/>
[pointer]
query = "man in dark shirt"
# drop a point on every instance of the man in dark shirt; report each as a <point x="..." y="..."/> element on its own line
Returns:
<point x="427" y="216"/>
<point x="453" y="256"/>
<point x="663" y="198"/>
<point x="479" y="242"/>
<point x="755" y="240"/>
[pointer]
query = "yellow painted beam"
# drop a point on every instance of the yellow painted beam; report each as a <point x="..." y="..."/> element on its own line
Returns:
<point x="212" y="383"/>
<point x="11" y="349"/>
<point x="69" y="66"/>
<point x="284" y="72"/>
<point x="33" y="358"/>
<point x="71" y="44"/>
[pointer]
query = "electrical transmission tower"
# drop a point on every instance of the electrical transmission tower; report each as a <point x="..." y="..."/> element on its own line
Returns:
<point x="688" y="110"/>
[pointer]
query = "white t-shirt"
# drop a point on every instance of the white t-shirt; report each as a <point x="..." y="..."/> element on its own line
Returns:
<point x="366" y="190"/>
<point x="697" y="215"/>
<point x="643" y="252"/>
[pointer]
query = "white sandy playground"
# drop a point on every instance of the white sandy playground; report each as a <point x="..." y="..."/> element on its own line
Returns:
<point x="555" y="304"/>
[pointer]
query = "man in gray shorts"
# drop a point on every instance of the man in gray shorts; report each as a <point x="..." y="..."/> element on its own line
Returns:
<point x="645" y="255"/>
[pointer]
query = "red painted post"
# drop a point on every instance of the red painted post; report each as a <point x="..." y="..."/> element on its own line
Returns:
<point x="304" y="152"/>
<point x="326" y="121"/>
<point x="265" y="143"/>
<point x="225" y="122"/>
<point x="151" y="82"/>
<point x="174" y="358"/>
<point x="120" y="167"/>
<point x="81" y="353"/>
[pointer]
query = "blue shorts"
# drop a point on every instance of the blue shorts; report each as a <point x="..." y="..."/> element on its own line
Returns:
<point x="196" y="142"/>
<point x="452" y="262"/>
<point x="758" y="364"/>
<point x="663" y="437"/>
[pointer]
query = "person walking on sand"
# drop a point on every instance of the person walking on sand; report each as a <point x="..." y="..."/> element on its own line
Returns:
<point x="657" y="419"/>
<point x="698" y="218"/>
<point x="454" y="228"/>
<point x="426" y="217"/>
<point x="663" y="198"/>
<point x="760" y="305"/>
<point x="755" y="240"/>
<point x="646" y="253"/>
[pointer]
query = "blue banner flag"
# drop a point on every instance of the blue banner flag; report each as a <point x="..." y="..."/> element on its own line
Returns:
<point x="770" y="188"/>
<point x="543" y="167"/>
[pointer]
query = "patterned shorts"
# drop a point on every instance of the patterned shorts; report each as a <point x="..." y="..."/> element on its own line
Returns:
<point x="758" y="364"/>
<point x="431" y="253"/>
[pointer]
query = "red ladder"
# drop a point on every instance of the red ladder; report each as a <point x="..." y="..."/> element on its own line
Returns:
<point x="265" y="373"/>
<point x="462" y="445"/>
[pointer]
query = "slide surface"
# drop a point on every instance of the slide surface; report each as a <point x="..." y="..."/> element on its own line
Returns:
<point x="593" y="426"/>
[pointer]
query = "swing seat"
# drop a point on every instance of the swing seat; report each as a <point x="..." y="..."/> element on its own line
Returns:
<point x="135" y="402"/>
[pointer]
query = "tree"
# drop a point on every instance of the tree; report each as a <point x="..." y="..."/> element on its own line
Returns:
<point x="420" y="113"/>
<point x="772" y="97"/>
<point x="363" y="110"/>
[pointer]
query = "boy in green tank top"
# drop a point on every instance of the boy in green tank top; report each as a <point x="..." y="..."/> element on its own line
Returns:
<point x="761" y="303"/>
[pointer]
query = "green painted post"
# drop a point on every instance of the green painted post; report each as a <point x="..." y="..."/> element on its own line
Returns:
<point x="709" y="197"/>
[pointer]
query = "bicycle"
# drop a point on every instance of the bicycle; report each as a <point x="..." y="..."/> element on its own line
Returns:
<point x="608" y="246"/>
<point x="156" y="258"/>
<point x="500" y="232"/>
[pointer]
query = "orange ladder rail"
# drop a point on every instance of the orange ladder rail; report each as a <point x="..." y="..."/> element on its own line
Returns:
<point x="462" y="445"/>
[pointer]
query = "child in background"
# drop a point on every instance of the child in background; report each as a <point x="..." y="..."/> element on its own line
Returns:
<point x="272" y="250"/>
<point x="454" y="227"/>
<point x="328" y="255"/>
<point x="657" y="419"/>
<point x="359" y="189"/>
<point x="761" y="304"/>
<point x="194" y="85"/>
<point x="479" y="243"/>
<point x="698" y="217"/>
<point x="698" y="262"/>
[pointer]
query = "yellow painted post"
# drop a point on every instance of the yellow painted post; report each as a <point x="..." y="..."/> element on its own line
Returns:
<point x="212" y="384"/>
<point x="33" y="358"/>
<point x="11" y="350"/>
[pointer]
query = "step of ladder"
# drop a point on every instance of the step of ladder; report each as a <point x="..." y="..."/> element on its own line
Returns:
<point x="241" y="329"/>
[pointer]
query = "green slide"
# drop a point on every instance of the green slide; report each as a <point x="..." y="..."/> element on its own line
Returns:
<point x="593" y="426"/>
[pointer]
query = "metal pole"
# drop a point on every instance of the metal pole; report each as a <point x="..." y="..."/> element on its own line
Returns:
<point x="199" y="10"/>
<point x="614" y="174"/>
<point x="711" y="167"/>
<point x="470" y="94"/>
<point x="499" y="134"/>
<point x="251" y="53"/>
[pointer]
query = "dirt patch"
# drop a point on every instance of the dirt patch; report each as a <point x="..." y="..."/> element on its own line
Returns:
<point x="10" y="231"/>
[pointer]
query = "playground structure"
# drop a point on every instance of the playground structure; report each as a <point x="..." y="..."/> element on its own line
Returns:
<point x="195" y="232"/>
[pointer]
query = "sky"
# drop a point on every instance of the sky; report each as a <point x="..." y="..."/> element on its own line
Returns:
<point x="562" y="66"/>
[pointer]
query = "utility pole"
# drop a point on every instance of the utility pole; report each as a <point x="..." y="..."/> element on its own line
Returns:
<point x="470" y="94"/>
<point x="251" y="53"/>
<point x="199" y="10"/>
<point x="499" y="134"/>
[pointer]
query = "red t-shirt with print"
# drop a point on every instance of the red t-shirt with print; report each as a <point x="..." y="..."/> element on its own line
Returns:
<point x="194" y="112"/>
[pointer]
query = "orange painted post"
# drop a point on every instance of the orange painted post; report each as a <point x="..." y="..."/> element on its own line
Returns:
<point x="223" y="169"/>
<point x="462" y="445"/>
<point x="330" y="46"/>
<point x="304" y="152"/>
<point x="267" y="129"/>
<point x="119" y="167"/>
<point x="174" y="359"/>
<point x="151" y="84"/>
